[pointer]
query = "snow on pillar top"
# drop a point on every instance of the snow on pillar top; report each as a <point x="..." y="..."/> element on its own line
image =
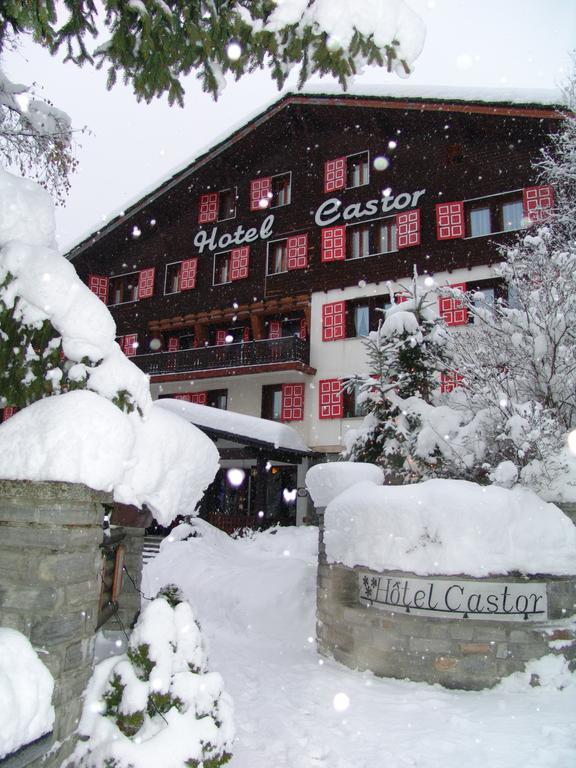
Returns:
<point x="26" y="212"/>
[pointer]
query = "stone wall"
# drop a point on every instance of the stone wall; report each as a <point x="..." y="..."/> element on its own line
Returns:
<point x="455" y="652"/>
<point x="49" y="575"/>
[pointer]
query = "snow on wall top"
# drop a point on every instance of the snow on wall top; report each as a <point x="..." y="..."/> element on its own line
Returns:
<point x="544" y="97"/>
<point x="326" y="481"/>
<point x="79" y="437"/>
<point x="449" y="527"/>
<point x="277" y="434"/>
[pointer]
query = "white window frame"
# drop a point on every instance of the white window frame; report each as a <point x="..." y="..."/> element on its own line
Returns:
<point x="268" y="254"/>
<point x="110" y="290"/>
<point x="170" y="293"/>
<point x="221" y="253"/>
<point x="234" y="189"/>
<point x="349" y="157"/>
<point x="276" y="176"/>
<point x="359" y="224"/>
<point x="490" y="197"/>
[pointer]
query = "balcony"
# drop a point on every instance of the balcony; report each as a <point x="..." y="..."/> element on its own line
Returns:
<point x="288" y="353"/>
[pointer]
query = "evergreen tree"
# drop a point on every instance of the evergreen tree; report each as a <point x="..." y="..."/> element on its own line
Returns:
<point x="404" y="355"/>
<point x="154" y="43"/>
<point x="160" y="691"/>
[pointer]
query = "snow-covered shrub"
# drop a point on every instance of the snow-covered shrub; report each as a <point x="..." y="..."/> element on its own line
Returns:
<point x="157" y="705"/>
<point x="404" y="355"/>
<point x="56" y="335"/>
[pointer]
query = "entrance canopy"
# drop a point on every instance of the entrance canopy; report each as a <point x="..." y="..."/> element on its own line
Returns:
<point x="240" y="436"/>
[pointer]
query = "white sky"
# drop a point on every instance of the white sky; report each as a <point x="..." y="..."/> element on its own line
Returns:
<point x="480" y="43"/>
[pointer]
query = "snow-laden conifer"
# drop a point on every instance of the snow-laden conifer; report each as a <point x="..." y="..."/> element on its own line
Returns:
<point x="157" y="705"/>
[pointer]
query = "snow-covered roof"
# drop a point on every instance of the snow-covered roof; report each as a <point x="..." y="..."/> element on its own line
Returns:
<point x="238" y="425"/>
<point x="535" y="97"/>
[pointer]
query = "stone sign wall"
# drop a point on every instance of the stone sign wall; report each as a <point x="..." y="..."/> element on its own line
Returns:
<point x="457" y="631"/>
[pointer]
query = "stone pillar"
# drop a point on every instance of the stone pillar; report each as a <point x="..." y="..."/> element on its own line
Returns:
<point x="49" y="576"/>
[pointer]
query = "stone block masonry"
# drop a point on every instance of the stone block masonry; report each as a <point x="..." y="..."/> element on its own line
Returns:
<point x="50" y="560"/>
<point x="454" y="651"/>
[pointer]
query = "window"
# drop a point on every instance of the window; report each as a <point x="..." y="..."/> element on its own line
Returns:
<point x="281" y="190"/>
<point x="123" y="288"/>
<point x="492" y="215"/>
<point x="357" y="170"/>
<point x="217" y="398"/>
<point x="180" y="276"/>
<point x="188" y="341"/>
<point x="128" y="344"/>
<point x="350" y="406"/>
<point x="284" y="255"/>
<point x="231" y="265"/>
<point x="283" y="402"/>
<point x="271" y="191"/>
<point x="272" y="402"/>
<point x="277" y="258"/>
<point x="337" y="401"/>
<point x="363" y="315"/>
<point x="217" y="206"/>
<point x="227" y="207"/>
<point x="347" y="172"/>
<point x="372" y="238"/>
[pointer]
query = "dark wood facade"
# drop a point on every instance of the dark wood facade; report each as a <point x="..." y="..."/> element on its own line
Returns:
<point x="454" y="151"/>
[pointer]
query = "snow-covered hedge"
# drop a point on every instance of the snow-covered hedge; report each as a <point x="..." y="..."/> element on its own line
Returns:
<point x="157" y="705"/>
<point x="107" y="434"/>
<point x="449" y="527"/>
<point x="26" y="686"/>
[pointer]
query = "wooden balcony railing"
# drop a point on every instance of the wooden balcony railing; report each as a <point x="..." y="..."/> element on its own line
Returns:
<point x="244" y="355"/>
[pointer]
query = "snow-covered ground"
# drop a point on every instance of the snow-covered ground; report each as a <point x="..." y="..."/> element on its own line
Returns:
<point x="255" y="601"/>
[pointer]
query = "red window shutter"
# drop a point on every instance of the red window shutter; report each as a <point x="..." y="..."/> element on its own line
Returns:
<point x="201" y="398"/>
<point x="239" y="259"/>
<point x="450" y="221"/>
<point x="450" y="380"/>
<point x="260" y="193"/>
<point x="303" y="333"/>
<point x="245" y="334"/>
<point x="400" y="298"/>
<point x="8" y="412"/>
<point x="98" y="284"/>
<point x="333" y="243"/>
<point x="274" y="329"/>
<point x="292" y="402"/>
<point x="334" y="174"/>
<point x="334" y="321"/>
<point x="452" y="310"/>
<point x="208" y="209"/>
<point x="221" y="337"/>
<point x="408" y="228"/>
<point x="297" y="252"/>
<point x="538" y="202"/>
<point x="173" y="344"/>
<point x="129" y="344"/>
<point x="186" y="396"/>
<point x="187" y="276"/>
<point x="146" y="283"/>
<point x="331" y="403"/>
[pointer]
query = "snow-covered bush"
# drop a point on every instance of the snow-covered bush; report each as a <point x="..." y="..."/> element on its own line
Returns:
<point x="26" y="687"/>
<point x="110" y="436"/>
<point x="157" y="705"/>
<point x="404" y="355"/>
